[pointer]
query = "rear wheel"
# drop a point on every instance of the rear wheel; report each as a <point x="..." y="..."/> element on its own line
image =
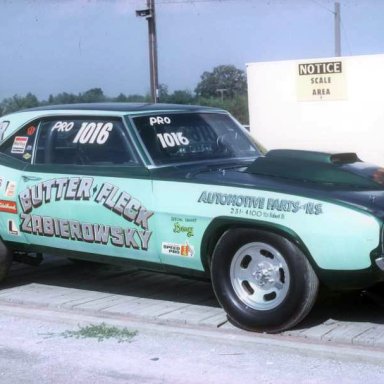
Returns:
<point x="262" y="280"/>
<point x="5" y="260"/>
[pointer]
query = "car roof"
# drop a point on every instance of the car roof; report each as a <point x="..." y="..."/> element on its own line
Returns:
<point x="123" y="107"/>
<point x="17" y="119"/>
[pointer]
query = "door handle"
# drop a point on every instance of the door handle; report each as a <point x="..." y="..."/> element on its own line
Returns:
<point x="30" y="178"/>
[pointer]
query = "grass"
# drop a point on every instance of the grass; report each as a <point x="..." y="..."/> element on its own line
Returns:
<point x="101" y="332"/>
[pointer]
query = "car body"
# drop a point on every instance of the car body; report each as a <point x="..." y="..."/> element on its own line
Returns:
<point x="185" y="189"/>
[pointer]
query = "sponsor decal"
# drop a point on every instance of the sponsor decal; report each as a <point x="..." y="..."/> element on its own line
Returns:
<point x="12" y="228"/>
<point x="31" y="130"/>
<point x="179" y="228"/>
<point x="10" y="189"/>
<point x="82" y="189"/>
<point x="174" y="249"/>
<point x="19" y="144"/>
<point x="260" y="206"/>
<point x="218" y="198"/>
<point x="27" y="156"/>
<point x="8" y="206"/>
<point x="3" y="127"/>
<point x="185" y="219"/>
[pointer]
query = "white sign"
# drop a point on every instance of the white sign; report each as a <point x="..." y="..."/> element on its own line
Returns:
<point x="321" y="81"/>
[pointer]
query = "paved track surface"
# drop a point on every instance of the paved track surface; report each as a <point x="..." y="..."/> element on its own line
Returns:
<point x="106" y="291"/>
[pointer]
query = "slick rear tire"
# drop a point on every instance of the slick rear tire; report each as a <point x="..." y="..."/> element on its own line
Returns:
<point x="262" y="280"/>
<point x="5" y="261"/>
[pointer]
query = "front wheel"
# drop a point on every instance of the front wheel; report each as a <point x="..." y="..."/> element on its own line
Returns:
<point x="263" y="281"/>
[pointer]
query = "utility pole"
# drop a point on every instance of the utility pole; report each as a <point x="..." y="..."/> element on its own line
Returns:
<point x="337" y="30"/>
<point x="149" y="14"/>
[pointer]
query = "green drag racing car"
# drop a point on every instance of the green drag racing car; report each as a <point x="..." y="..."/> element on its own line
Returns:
<point x="186" y="190"/>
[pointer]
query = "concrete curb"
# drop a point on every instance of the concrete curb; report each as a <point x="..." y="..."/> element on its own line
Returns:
<point x="228" y="336"/>
<point x="164" y="300"/>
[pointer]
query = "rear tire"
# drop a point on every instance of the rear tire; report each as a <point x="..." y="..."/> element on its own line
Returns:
<point x="263" y="281"/>
<point x="5" y="260"/>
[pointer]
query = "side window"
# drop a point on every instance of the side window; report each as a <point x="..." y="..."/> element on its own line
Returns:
<point x="86" y="141"/>
<point x="20" y="145"/>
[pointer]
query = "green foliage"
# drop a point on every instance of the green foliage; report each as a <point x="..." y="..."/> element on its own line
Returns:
<point x="17" y="103"/>
<point x="177" y="97"/>
<point x="94" y="95"/>
<point x="129" y="99"/>
<point x="226" y="77"/>
<point x="63" y="98"/>
<point x="182" y="97"/>
<point x="163" y="93"/>
<point x="237" y="106"/>
<point x="225" y="80"/>
<point x="101" y="332"/>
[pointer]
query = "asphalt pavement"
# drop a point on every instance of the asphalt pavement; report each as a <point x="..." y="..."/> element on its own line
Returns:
<point x="354" y="319"/>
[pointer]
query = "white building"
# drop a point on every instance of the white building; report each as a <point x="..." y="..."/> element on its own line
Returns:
<point x="334" y="104"/>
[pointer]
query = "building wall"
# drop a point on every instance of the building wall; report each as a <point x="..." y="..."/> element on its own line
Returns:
<point x="287" y="110"/>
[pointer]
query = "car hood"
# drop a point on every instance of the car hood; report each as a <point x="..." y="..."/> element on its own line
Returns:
<point x="340" y="177"/>
<point x="341" y="169"/>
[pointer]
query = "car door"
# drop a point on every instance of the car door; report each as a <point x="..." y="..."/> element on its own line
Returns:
<point x="15" y="155"/>
<point x="86" y="191"/>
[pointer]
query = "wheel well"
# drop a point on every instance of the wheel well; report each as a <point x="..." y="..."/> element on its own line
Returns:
<point x="221" y="224"/>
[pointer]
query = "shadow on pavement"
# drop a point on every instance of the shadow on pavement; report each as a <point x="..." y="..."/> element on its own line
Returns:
<point x="355" y="306"/>
<point x="112" y="280"/>
<point x="365" y="306"/>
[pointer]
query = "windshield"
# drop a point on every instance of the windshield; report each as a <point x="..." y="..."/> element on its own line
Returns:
<point x="184" y="137"/>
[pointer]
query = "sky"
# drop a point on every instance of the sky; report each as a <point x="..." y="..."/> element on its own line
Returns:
<point x="53" y="46"/>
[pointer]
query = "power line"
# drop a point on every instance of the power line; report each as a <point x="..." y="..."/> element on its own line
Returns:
<point x="323" y="6"/>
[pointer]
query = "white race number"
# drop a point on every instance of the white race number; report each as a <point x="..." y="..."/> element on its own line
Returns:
<point x="172" y="139"/>
<point x="89" y="133"/>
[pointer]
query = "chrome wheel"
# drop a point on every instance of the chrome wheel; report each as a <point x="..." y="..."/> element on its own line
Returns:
<point x="262" y="280"/>
<point x="259" y="276"/>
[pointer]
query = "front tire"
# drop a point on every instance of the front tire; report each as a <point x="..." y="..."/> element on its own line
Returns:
<point x="5" y="260"/>
<point x="263" y="281"/>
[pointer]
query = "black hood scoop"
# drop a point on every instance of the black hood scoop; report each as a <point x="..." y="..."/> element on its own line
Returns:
<point x="317" y="167"/>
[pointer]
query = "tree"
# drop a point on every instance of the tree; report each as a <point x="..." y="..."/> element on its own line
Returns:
<point x="181" y="97"/>
<point x="16" y="103"/>
<point x="238" y="106"/>
<point x="92" y="95"/>
<point x="63" y="98"/>
<point x="163" y="94"/>
<point x="129" y="99"/>
<point x="225" y="81"/>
